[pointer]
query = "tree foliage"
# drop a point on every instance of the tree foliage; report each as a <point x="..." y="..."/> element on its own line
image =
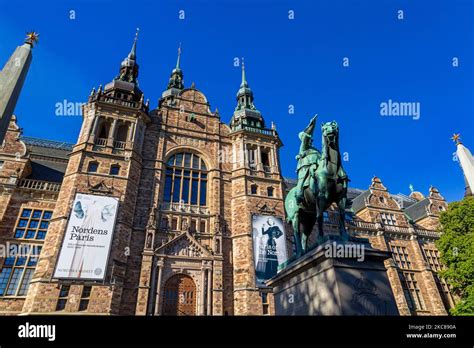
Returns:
<point x="456" y="247"/>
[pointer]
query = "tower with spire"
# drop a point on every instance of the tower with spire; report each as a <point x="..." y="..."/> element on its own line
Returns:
<point x="106" y="161"/>
<point x="466" y="160"/>
<point x="12" y="78"/>
<point x="129" y="66"/>
<point x="257" y="189"/>
<point x="176" y="82"/>
<point x="245" y="113"/>
<point x="125" y="85"/>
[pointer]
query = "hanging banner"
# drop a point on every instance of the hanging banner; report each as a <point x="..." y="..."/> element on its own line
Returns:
<point x="88" y="237"/>
<point x="269" y="245"/>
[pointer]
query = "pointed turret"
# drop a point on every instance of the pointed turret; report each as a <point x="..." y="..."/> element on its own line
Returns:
<point x="466" y="160"/>
<point x="245" y="94"/>
<point x="244" y="80"/>
<point x="12" y="78"/>
<point x="246" y="114"/>
<point x="176" y="78"/>
<point x="125" y="86"/>
<point x="129" y="66"/>
<point x="175" y="83"/>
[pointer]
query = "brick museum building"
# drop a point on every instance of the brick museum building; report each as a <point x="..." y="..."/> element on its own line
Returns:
<point x="187" y="186"/>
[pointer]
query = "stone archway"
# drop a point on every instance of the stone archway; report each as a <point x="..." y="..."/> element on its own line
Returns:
<point x="179" y="296"/>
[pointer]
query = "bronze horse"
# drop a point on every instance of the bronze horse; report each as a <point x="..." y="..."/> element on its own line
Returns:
<point x="327" y="185"/>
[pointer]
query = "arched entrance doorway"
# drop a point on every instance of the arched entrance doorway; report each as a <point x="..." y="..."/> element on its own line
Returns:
<point x="179" y="296"/>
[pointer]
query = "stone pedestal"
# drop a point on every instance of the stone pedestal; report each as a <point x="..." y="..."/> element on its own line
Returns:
<point x="336" y="278"/>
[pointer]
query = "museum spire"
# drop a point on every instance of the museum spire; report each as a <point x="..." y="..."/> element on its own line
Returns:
<point x="245" y="94"/>
<point x="12" y="77"/>
<point x="244" y="80"/>
<point x="176" y="78"/>
<point x="179" y="57"/>
<point x="133" y="51"/>
<point x="246" y="114"/>
<point x="124" y="89"/>
<point x="129" y="66"/>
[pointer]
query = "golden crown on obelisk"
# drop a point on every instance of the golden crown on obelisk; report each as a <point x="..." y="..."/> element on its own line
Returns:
<point x="31" y="38"/>
<point x="456" y="138"/>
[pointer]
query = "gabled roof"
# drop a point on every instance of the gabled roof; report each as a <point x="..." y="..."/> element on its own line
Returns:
<point x="358" y="202"/>
<point x="49" y="158"/>
<point x="36" y="144"/>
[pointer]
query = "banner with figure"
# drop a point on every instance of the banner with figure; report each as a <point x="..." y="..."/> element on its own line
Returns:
<point x="87" y="240"/>
<point x="269" y="245"/>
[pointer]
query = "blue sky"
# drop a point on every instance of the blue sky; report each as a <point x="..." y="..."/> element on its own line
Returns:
<point x="288" y="62"/>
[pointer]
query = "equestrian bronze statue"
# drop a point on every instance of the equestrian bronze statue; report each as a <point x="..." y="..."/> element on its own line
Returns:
<point x="322" y="181"/>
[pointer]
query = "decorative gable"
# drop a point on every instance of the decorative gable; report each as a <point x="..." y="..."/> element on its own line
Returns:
<point x="434" y="194"/>
<point x="101" y="187"/>
<point x="183" y="245"/>
<point x="380" y="197"/>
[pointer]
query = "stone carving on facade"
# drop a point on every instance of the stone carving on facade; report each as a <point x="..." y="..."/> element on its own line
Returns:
<point x="149" y="240"/>
<point x="183" y="245"/>
<point x="366" y="299"/>
<point x="101" y="187"/>
<point x="152" y="219"/>
<point x="263" y="208"/>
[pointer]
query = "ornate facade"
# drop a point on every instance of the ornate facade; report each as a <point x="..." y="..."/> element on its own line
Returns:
<point x="187" y="185"/>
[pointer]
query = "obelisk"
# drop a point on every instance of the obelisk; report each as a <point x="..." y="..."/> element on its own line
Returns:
<point x="466" y="160"/>
<point x="12" y="78"/>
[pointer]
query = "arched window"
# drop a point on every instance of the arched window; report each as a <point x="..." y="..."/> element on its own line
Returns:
<point x="270" y="191"/>
<point x="186" y="179"/>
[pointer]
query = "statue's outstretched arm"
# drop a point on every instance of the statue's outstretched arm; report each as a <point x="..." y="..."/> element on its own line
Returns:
<point x="307" y="135"/>
<point x="310" y="128"/>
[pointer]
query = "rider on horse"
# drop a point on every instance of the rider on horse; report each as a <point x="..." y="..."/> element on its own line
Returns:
<point x="307" y="158"/>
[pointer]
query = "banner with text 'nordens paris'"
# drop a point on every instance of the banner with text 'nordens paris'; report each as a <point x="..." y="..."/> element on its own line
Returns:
<point x="86" y="245"/>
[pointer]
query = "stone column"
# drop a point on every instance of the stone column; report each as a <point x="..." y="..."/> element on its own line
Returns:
<point x="234" y="156"/>
<point x="131" y="129"/>
<point x="259" y="158"/>
<point x="245" y="155"/>
<point x="141" y="127"/>
<point x="111" y="138"/>
<point x="159" y="266"/>
<point x="203" y="283"/>
<point x="94" y="127"/>
<point x="209" y="291"/>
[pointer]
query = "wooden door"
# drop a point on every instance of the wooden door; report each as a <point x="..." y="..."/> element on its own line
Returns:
<point x="179" y="296"/>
